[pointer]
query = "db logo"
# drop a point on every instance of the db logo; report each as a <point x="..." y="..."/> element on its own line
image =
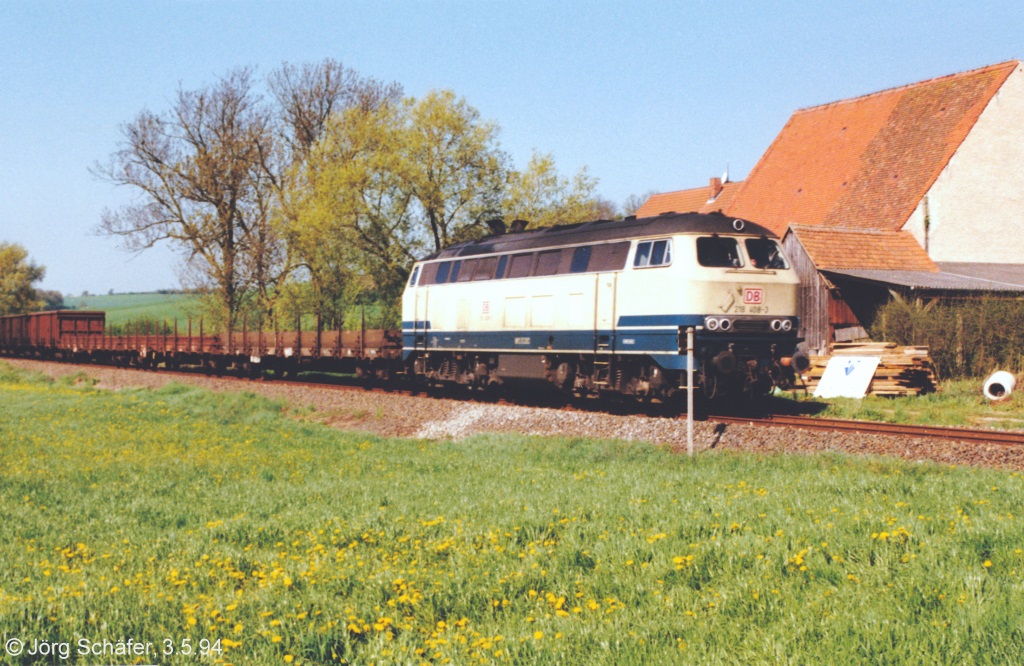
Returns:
<point x="753" y="296"/>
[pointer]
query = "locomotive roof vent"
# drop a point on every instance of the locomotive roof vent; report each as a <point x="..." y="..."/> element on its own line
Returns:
<point x="497" y="226"/>
<point x="517" y="226"/>
<point x="738" y="225"/>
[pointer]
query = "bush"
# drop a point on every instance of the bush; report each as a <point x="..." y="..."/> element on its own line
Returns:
<point x="967" y="337"/>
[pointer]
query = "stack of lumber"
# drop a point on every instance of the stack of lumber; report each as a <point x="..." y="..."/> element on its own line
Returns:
<point x="901" y="370"/>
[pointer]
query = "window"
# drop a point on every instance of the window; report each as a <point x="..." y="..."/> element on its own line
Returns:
<point x="580" y="259"/>
<point x="765" y="253"/>
<point x="442" y="272"/>
<point x="415" y="274"/>
<point x="456" y="268"/>
<point x="609" y="257"/>
<point x="718" y="252"/>
<point x="502" y="263"/>
<point x="521" y="264"/>
<point x="466" y="274"/>
<point x="484" y="268"/>
<point x="429" y="274"/>
<point x="547" y="262"/>
<point x="653" y="253"/>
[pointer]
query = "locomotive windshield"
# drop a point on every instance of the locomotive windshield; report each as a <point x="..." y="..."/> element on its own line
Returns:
<point x="718" y="252"/>
<point x="765" y="253"/>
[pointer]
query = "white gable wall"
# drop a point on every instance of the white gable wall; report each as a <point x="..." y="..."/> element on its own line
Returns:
<point x="975" y="209"/>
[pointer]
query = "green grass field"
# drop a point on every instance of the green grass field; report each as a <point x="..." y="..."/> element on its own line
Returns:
<point x="958" y="403"/>
<point x="215" y="523"/>
<point x="125" y="308"/>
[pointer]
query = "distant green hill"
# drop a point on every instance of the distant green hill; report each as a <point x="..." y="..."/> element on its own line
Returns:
<point x="124" y="308"/>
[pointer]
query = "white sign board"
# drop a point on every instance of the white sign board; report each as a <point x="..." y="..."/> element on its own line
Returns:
<point x="847" y="377"/>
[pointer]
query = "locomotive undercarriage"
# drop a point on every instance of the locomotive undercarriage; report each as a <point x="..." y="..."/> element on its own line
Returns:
<point x="718" y="375"/>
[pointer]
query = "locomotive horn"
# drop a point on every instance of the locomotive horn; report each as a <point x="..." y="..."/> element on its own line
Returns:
<point x="999" y="385"/>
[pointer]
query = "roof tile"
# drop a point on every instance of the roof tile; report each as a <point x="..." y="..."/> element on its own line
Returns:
<point x="696" y="200"/>
<point x="834" y="248"/>
<point x="866" y="162"/>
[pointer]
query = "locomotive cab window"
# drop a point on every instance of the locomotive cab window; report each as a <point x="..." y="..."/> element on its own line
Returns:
<point x="414" y="276"/>
<point x="653" y="253"/>
<point x="718" y="252"/>
<point x="765" y="253"/>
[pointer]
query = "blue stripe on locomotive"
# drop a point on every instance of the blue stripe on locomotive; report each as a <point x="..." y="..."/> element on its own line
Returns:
<point x="654" y="335"/>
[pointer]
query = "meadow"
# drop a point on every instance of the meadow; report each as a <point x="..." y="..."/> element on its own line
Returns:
<point x="958" y="402"/>
<point x="217" y="524"/>
<point x="122" y="309"/>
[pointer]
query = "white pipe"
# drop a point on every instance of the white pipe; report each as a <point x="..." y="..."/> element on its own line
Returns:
<point x="999" y="385"/>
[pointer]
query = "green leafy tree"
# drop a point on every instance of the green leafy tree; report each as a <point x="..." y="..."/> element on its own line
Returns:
<point x="454" y="168"/>
<point x="17" y="275"/>
<point x="329" y="229"/>
<point x="386" y="185"/>
<point x="542" y="196"/>
<point x="356" y="218"/>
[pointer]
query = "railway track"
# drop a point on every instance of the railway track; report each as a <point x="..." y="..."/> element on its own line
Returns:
<point x="936" y="433"/>
<point x="1004" y="437"/>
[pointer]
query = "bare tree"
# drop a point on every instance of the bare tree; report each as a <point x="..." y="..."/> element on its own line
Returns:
<point x="634" y="201"/>
<point x="196" y="170"/>
<point x="309" y="95"/>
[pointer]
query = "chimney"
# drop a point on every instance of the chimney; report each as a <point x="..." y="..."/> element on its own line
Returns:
<point x="716" y="188"/>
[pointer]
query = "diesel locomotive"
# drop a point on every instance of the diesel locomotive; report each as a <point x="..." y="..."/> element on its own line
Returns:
<point x="604" y="307"/>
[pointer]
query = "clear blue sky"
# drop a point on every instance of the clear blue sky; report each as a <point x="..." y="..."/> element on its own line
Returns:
<point x="648" y="95"/>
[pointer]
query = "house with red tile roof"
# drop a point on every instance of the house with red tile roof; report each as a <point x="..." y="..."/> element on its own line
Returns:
<point x="916" y="189"/>
<point x="715" y="198"/>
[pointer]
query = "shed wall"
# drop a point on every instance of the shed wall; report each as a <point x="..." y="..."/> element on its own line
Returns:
<point x="812" y="296"/>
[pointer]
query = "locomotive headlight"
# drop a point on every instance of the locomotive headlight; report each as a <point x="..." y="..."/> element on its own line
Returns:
<point x="776" y="325"/>
<point x="724" y="324"/>
<point x="711" y="323"/>
<point x="787" y="325"/>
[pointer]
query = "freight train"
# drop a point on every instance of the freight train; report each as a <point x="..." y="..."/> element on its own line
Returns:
<point x="593" y="309"/>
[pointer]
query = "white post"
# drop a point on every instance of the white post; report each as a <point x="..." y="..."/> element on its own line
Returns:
<point x="689" y="391"/>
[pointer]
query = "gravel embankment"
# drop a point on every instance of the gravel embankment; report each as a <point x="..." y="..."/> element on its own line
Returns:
<point x="394" y="415"/>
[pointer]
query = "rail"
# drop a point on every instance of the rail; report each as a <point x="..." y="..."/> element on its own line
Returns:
<point x="1006" y="437"/>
